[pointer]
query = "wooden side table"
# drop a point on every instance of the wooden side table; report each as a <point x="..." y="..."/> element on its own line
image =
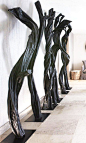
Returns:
<point x="75" y="74"/>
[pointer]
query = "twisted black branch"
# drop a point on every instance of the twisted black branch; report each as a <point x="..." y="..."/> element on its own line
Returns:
<point x="48" y="79"/>
<point x="63" y="72"/>
<point x="50" y="74"/>
<point x="24" y="67"/>
<point x="59" y="25"/>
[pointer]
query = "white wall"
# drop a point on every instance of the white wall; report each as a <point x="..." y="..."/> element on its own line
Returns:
<point x="71" y="51"/>
<point x="79" y="51"/>
<point x="13" y="39"/>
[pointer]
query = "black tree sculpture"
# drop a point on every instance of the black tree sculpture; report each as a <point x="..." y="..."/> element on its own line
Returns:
<point x="24" y="67"/>
<point x="63" y="72"/>
<point x="59" y="25"/>
<point x="50" y="74"/>
<point x="47" y="63"/>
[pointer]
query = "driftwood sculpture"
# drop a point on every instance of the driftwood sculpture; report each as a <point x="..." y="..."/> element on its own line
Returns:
<point x="24" y="67"/>
<point x="49" y="95"/>
<point x="58" y="27"/>
<point x="63" y="72"/>
<point x="50" y="73"/>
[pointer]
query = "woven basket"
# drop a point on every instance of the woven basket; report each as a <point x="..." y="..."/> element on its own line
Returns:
<point x="75" y="74"/>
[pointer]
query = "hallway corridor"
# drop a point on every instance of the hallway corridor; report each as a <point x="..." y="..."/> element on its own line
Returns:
<point x="66" y="123"/>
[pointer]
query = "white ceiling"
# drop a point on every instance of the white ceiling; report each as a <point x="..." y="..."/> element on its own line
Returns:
<point x="74" y="10"/>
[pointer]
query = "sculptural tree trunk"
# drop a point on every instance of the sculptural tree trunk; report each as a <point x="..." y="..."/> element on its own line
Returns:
<point x="63" y="72"/>
<point x="49" y="87"/>
<point x="24" y="67"/>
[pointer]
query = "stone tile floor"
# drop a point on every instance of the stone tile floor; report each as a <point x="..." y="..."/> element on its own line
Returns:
<point x="66" y="123"/>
